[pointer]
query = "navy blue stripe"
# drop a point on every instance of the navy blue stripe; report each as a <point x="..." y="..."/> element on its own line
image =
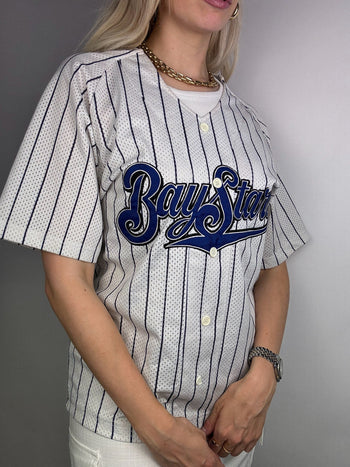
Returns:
<point x="99" y="410"/>
<point x="214" y="339"/>
<point x="203" y="149"/>
<point x="76" y="202"/>
<point x="240" y="136"/>
<point x="237" y="340"/>
<point x="219" y="296"/>
<point x="215" y="140"/>
<point x="110" y="95"/>
<point x="180" y="330"/>
<point x="273" y="230"/>
<point x="200" y="338"/>
<point x="100" y="124"/>
<point x="167" y="127"/>
<point x="88" y="227"/>
<point x="87" y="399"/>
<point x="228" y="135"/>
<point x="128" y="109"/>
<point x="244" y="359"/>
<point x="185" y="135"/>
<point x="71" y="376"/>
<point x="185" y="306"/>
<point x="252" y="140"/>
<point x="284" y="210"/>
<point x="163" y="324"/>
<point x="146" y="308"/>
<point x="77" y="395"/>
<point x="278" y="222"/>
<point x="224" y="336"/>
<point x="147" y="113"/>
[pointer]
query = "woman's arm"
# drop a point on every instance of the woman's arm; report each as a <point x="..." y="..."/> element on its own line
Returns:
<point x="69" y="288"/>
<point x="238" y="416"/>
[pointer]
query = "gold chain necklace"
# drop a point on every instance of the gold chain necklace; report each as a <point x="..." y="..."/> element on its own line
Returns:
<point x="164" y="68"/>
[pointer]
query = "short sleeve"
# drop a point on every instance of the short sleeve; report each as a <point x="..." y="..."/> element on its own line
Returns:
<point x="285" y="229"/>
<point x="51" y="199"/>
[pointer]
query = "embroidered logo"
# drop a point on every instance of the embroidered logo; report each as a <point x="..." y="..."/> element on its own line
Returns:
<point x="199" y="221"/>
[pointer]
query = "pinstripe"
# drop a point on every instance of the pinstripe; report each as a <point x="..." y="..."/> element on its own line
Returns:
<point x="72" y="374"/>
<point x="185" y="306"/>
<point x="228" y="135"/>
<point x="202" y="146"/>
<point x="285" y="235"/>
<point x="77" y="394"/>
<point x="287" y="215"/>
<point x="246" y="350"/>
<point x="273" y="229"/>
<point x="109" y="94"/>
<point x="146" y="110"/>
<point x="214" y="341"/>
<point x="146" y="309"/>
<point x="185" y="135"/>
<point x="252" y="140"/>
<point x="163" y="326"/>
<point x="214" y="134"/>
<point x="100" y="124"/>
<point x="200" y="341"/>
<point x="88" y="226"/>
<point x="87" y="398"/>
<point x="75" y="203"/>
<point x="128" y="109"/>
<point x="167" y="127"/>
<point x="180" y="333"/>
<point x="240" y="136"/>
<point x="99" y="410"/>
<point x="130" y="296"/>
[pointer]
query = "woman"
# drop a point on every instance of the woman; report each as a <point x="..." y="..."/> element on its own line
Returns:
<point x="164" y="231"/>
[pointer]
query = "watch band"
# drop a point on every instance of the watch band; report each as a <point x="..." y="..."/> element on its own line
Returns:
<point x="275" y="359"/>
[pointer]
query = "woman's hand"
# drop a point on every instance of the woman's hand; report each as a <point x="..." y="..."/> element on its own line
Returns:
<point x="238" y="416"/>
<point x="181" y="444"/>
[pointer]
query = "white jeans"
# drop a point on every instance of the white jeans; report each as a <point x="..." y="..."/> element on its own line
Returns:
<point x="87" y="449"/>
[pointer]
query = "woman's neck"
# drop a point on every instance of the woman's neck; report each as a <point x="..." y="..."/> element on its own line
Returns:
<point x="184" y="51"/>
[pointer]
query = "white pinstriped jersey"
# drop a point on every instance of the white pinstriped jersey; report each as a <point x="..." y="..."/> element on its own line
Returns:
<point x="179" y="212"/>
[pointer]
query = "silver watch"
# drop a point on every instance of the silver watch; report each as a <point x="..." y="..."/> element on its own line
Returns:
<point x="275" y="359"/>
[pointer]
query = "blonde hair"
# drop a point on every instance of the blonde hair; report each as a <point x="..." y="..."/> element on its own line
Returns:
<point x="124" y="24"/>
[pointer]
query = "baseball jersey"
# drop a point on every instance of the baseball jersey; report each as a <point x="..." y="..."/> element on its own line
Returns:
<point x="180" y="212"/>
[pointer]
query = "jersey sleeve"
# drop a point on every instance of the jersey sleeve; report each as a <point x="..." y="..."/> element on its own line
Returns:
<point x="285" y="229"/>
<point x="51" y="199"/>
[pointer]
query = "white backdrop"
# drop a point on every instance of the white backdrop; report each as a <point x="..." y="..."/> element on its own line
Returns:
<point x="294" y="67"/>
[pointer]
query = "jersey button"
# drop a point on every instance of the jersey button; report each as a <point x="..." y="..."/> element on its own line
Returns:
<point x="213" y="252"/>
<point x="204" y="127"/>
<point x="199" y="380"/>
<point x="217" y="182"/>
<point x="206" y="320"/>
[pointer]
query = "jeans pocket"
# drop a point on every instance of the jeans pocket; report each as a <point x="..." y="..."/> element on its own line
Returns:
<point x="81" y="455"/>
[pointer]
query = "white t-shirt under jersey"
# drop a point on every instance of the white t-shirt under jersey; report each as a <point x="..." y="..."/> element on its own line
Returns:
<point x="201" y="102"/>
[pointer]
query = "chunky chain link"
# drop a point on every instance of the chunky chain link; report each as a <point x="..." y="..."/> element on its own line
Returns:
<point x="164" y="68"/>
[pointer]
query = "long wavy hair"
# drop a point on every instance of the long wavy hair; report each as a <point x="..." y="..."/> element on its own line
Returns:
<point x="124" y="24"/>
